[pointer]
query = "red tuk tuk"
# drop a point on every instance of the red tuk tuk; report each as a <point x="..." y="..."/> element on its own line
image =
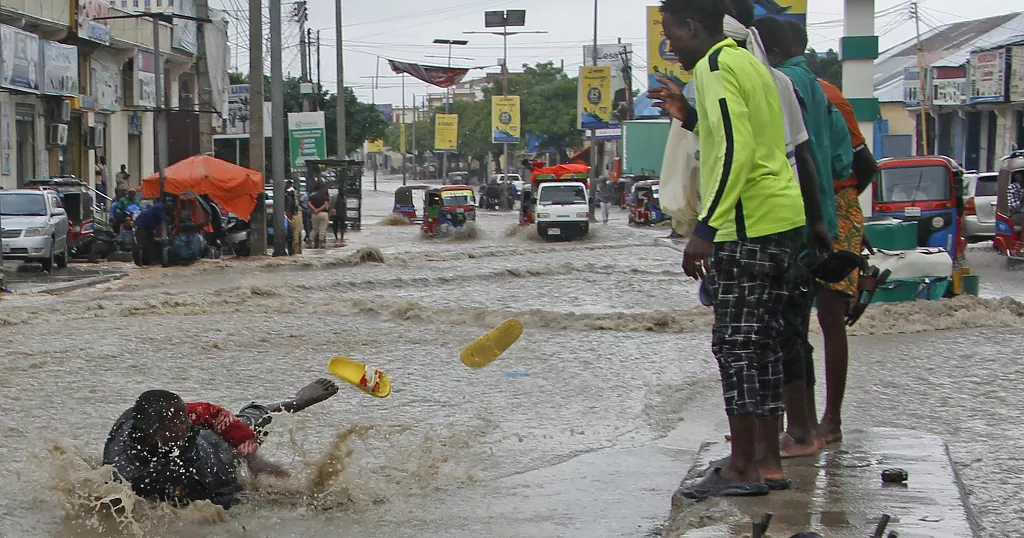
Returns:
<point x="927" y="190"/>
<point x="77" y="198"/>
<point x="1008" y="233"/>
<point x="446" y="208"/>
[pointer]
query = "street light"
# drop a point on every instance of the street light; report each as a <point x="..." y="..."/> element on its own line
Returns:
<point x="449" y="42"/>
<point x="504" y="19"/>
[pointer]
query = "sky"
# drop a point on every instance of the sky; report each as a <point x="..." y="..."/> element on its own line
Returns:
<point x="405" y="30"/>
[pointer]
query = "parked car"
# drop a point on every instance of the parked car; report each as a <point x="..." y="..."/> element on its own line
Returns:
<point x="980" y="195"/>
<point x="35" y="227"/>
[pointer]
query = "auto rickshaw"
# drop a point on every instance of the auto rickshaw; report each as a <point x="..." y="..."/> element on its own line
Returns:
<point x="644" y="204"/>
<point x="447" y="208"/>
<point x="927" y="190"/>
<point x="1008" y="233"/>
<point x="405" y="197"/>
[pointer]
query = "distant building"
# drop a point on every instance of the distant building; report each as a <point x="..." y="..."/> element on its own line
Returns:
<point x="974" y="92"/>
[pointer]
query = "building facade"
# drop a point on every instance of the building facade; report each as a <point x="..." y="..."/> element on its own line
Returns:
<point x="80" y="88"/>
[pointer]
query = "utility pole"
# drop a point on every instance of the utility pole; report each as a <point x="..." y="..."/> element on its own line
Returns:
<point x="401" y="129"/>
<point x="301" y="17"/>
<point x="161" y="117"/>
<point x="318" y="86"/>
<point x="593" y="135"/>
<point x="342" y="142"/>
<point x="277" y="126"/>
<point x="415" y="165"/>
<point x="257" y="144"/>
<point x="915" y="12"/>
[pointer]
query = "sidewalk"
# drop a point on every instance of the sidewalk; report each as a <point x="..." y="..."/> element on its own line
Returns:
<point x="840" y="493"/>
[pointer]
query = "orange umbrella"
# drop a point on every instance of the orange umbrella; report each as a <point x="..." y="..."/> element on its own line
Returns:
<point x="231" y="187"/>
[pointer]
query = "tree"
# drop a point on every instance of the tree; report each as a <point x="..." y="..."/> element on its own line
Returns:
<point x="826" y="66"/>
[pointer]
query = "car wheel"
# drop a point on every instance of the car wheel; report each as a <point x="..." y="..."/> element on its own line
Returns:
<point x="48" y="262"/>
<point x="62" y="260"/>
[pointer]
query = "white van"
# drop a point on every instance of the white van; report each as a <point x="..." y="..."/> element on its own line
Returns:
<point x="563" y="210"/>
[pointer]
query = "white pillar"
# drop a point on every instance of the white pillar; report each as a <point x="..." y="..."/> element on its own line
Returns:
<point x="859" y="49"/>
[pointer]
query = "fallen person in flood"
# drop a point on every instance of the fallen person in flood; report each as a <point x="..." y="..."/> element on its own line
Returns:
<point x="181" y="452"/>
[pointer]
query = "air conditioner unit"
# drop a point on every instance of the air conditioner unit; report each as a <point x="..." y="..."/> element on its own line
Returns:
<point x="65" y="111"/>
<point x="58" y="134"/>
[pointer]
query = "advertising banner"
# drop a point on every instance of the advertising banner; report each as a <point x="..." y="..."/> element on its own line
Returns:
<point x="401" y="145"/>
<point x="307" y="137"/>
<point x="442" y="77"/>
<point x="594" y="102"/>
<point x="19" y="65"/>
<point x="88" y="28"/>
<point x="446" y="132"/>
<point x="105" y="81"/>
<point x="660" y="60"/>
<point x="60" y="69"/>
<point x="911" y="86"/>
<point x="145" y="79"/>
<point x="784" y="9"/>
<point x="375" y="146"/>
<point x="1016" y="74"/>
<point x="615" y="57"/>
<point x="505" y="121"/>
<point x="987" y="76"/>
<point x="185" y="33"/>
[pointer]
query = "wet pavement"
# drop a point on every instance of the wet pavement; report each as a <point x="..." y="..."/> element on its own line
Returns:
<point x="841" y="494"/>
<point x="612" y="389"/>
<point x="30" y="277"/>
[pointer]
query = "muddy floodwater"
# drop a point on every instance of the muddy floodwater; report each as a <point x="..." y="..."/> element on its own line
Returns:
<point x="583" y="428"/>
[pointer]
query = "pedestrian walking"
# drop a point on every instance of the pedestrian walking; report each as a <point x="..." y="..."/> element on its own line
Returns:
<point x="607" y="196"/>
<point x="320" y="206"/>
<point x="291" y="211"/>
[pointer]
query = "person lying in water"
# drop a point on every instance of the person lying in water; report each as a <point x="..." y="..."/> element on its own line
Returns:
<point x="181" y="452"/>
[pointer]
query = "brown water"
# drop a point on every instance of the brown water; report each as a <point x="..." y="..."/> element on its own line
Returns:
<point x="586" y="438"/>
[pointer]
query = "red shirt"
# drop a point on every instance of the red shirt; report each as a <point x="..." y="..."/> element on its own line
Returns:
<point x="225" y="424"/>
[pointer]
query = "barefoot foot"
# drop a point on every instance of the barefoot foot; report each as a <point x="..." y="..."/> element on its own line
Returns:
<point x="313" y="393"/>
<point x="829" y="432"/>
<point x="790" y="448"/>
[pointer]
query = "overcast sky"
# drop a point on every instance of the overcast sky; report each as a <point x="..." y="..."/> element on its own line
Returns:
<point x="404" y="30"/>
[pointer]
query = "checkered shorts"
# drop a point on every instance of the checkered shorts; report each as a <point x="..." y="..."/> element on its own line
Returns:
<point x="750" y="284"/>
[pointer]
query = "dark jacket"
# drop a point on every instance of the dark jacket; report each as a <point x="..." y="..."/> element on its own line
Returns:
<point x="204" y="470"/>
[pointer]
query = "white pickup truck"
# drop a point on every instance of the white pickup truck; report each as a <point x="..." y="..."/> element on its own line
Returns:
<point x="563" y="210"/>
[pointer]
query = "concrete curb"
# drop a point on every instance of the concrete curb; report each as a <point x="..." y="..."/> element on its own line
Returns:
<point x="76" y="284"/>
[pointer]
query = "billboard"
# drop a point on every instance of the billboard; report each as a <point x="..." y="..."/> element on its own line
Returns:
<point x="307" y="138"/>
<point x="786" y="9"/>
<point x="184" y="35"/>
<point x="1017" y="74"/>
<point x="948" y="86"/>
<point x="446" y="132"/>
<point x="375" y="146"/>
<point x="987" y="76"/>
<point x="505" y="121"/>
<point x="236" y="124"/>
<point x="594" y="100"/>
<point x="88" y="28"/>
<point x="19" y="66"/>
<point x="911" y="86"/>
<point x="145" y="79"/>
<point x="614" y="56"/>
<point x="60" y="69"/>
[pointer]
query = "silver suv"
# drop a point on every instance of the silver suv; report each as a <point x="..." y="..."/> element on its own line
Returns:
<point x="35" y="227"/>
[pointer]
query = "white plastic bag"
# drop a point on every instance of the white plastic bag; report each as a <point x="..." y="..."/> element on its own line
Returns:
<point x="680" y="179"/>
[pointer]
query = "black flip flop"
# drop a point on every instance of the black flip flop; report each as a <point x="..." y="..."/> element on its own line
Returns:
<point x="865" y="297"/>
<point x="778" y="484"/>
<point x="836" y="266"/>
<point x="713" y="485"/>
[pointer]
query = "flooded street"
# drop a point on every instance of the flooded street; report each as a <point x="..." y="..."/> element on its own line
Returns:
<point x="583" y="428"/>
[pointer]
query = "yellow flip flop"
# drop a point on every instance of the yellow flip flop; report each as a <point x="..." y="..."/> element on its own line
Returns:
<point x="484" y="350"/>
<point x="364" y="377"/>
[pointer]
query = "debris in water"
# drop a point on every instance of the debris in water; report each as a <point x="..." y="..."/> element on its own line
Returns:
<point x="394" y="219"/>
<point x="518" y="374"/>
<point x="895" y="476"/>
<point x="368" y="254"/>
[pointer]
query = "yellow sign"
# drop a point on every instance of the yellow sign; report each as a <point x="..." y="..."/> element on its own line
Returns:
<point x="402" y="148"/>
<point x="446" y="132"/>
<point x="660" y="60"/>
<point x="505" y="123"/>
<point x="375" y="146"/>
<point x="595" y="97"/>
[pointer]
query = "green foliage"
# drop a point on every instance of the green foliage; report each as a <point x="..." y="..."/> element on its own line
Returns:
<point x="828" y="66"/>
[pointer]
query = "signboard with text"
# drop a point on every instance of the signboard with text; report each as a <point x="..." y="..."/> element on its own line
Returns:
<point x="307" y="138"/>
<point x="987" y="76"/>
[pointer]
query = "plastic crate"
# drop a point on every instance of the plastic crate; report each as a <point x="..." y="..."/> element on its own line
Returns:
<point x="933" y="289"/>
<point x="892" y="236"/>
<point x="898" y="291"/>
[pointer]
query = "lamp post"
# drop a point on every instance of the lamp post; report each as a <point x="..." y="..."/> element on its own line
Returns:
<point x="505" y="19"/>
<point x="449" y="42"/>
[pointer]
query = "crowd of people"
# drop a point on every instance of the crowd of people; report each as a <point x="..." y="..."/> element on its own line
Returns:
<point x="781" y="164"/>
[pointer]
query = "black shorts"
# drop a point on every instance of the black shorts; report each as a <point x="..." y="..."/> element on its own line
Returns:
<point x="798" y="353"/>
<point x="749" y="284"/>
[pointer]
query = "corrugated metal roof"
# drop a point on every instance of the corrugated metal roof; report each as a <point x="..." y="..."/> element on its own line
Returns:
<point x="945" y="46"/>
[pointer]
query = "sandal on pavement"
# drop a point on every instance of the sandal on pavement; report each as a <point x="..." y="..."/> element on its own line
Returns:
<point x="713" y="485"/>
<point x="868" y="285"/>
<point x="778" y="484"/>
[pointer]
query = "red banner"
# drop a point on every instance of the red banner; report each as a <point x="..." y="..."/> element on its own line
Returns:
<point x="442" y="77"/>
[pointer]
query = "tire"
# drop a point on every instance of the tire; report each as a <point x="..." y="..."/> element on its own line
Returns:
<point x="62" y="260"/>
<point x="137" y="256"/>
<point x="165" y="257"/>
<point x="48" y="262"/>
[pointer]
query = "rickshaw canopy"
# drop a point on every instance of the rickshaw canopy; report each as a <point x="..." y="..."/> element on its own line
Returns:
<point x="232" y="187"/>
<point x="403" y="194"/>
<point x="562" y="172"/>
